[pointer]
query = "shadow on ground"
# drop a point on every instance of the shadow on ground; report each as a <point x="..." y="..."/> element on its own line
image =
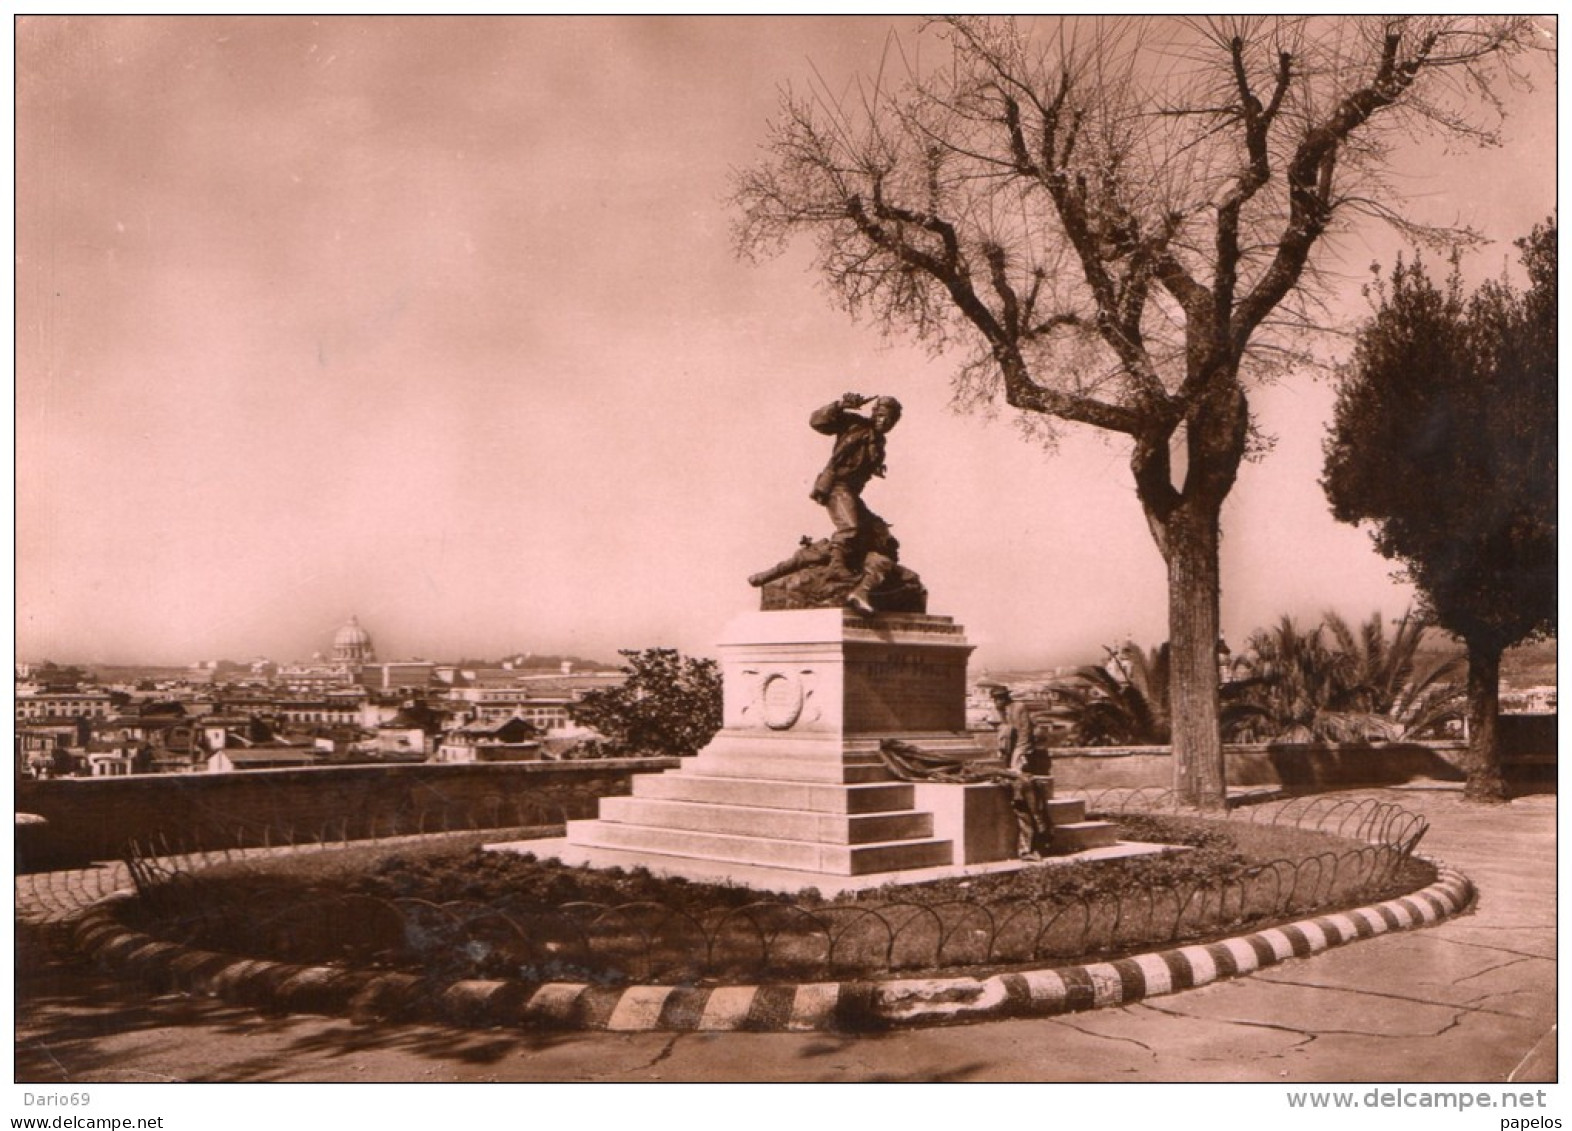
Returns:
<point x="79" y="1025"/>
<point x="73" y="1008"/>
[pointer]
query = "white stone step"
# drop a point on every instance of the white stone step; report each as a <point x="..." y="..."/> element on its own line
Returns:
<point x="836" y="859"/>
<point x="776" y="824"/>
<point x="737" y="764"/>
<point x="1078" y="836"/>
<point x="816" y="797"/>
<point x="963" y="745"/>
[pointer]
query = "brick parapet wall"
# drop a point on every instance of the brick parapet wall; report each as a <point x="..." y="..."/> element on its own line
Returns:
<point x="94" y="818"/>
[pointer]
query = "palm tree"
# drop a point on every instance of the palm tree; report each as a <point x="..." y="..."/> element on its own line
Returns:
<point x="1295" y="686"/>
<point x="1121" y="703"/>
<point x="1283" y="681"/>
<point x="1392" y="679"/>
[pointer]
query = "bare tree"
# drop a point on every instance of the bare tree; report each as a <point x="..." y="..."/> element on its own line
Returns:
<point x="1119" y="230"/>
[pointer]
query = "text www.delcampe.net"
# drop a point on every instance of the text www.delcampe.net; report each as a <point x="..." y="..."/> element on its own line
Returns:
<point x="1426" y="1098"/>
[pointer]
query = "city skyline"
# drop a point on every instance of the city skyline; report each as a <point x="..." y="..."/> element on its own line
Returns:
<point x="324" y="652"/>
<point x="407" y="319"/>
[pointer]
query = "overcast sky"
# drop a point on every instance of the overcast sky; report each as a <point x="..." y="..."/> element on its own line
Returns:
<point x="438" y="322"/>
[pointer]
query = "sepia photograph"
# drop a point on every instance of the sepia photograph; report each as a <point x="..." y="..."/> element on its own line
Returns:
<point x="784" y="550"/>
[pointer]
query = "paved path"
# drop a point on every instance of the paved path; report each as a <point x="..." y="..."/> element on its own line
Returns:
<point x="1470" y="1000"/>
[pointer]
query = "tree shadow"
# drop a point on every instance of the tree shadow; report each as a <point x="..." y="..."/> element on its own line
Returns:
<point x="835" y="1044"/>
<point x="74" y="1023"/>
<point x="67" y="1010"/>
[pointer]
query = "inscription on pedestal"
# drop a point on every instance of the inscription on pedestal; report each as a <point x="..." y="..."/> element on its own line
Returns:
<point x="821" y="673"/>
<point x="904" y="689"/>
<point x="898" y="623"/>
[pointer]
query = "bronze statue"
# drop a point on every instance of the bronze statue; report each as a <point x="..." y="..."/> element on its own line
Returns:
<point x="857" y="566"/>
<point x="1031" y="788"/>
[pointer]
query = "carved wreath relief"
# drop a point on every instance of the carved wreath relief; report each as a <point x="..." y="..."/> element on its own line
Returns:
<point x="780" y="699"/>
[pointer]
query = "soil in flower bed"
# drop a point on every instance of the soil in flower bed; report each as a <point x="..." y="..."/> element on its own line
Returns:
<point x="449" y="909"/>
<point x="1213" y="853"/>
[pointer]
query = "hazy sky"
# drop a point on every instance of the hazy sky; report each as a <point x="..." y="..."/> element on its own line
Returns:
<point x="437" y="321"/>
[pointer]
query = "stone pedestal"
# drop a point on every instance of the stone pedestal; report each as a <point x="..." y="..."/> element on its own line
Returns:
<point x="794" y="779"/>
<point x="979" y="821"/>
<point x="809" y="693"/>
<point x="793" y="784"/>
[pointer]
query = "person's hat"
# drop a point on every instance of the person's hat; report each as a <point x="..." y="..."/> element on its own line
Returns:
<point x="893" y="405"/>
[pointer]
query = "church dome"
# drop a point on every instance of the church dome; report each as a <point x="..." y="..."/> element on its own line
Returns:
<point x="351" y="643"/>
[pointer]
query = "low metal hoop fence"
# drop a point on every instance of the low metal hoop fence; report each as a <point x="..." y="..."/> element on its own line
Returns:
<point x="1368" y="856"/>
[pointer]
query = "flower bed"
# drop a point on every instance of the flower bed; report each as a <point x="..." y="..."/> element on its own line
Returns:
<point x="448" y="912"/>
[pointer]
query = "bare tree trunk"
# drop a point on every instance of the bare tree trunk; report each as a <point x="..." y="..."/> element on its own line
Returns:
<point x="1485" y="782"/>
<point x="1193" y="623"/>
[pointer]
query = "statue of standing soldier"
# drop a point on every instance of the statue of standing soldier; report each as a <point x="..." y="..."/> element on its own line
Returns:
<point x="858" y="456"/>
<point x="1031" y="787"/>
<point x="857" y="566"/>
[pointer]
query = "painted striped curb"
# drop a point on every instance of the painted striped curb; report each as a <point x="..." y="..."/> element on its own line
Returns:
<point x="809" y="1007"/>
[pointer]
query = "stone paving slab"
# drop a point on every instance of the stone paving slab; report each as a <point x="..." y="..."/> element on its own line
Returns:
<point x="1322" y="1010"/>
<point x="1431" y="967"/>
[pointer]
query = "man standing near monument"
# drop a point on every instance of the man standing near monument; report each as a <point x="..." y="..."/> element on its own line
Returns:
<point x="862" y="544"/>
<point x="1032" y="788"/>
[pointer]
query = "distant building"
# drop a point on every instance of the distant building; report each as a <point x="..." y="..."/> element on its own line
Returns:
<point x="220" y="731"/>
<point x="352" y="649"/>
<point x="50" y="749"/>
<point x="325" y="712"/>
<point x="60" y="705"/>
<point x="400" y="675"/>
<point x="352" y="645"/>
<point x="544" y="711"/>
<point x="114" y="759"/>
<point x="1529" y="700"/>
<point x="403" y="739"/>
<point x="263" y="756"/>
<point x="315" y="676"/>
<point x="508" y="740"/>
<point x="544" y="701"/>
<point x="248" y="705"/>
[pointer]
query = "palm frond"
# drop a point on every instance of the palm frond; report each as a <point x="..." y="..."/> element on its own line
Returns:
<point x="1340" y="682"/>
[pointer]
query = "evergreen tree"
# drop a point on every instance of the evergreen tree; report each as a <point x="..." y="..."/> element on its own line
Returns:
<point x="1444" y="441"/>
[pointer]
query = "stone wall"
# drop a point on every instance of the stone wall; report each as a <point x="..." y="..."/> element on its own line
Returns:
<point x="1289" y="766"/>
<point x="1527" y="738"/>
<point x="92" y="819"/>
<point x="1528" y="751"/>
<point x="1528" y="755"/>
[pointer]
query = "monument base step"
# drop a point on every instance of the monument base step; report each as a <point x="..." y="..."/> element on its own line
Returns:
<point x="1068" y="812"/>
<point x="765" y="878"/>
<point x="769" y="823"/>
<point x="807" y="856"/>
<point x="1078" y="836"/>
<point x="753" y="766"/>
<point x="771" y="793"/>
